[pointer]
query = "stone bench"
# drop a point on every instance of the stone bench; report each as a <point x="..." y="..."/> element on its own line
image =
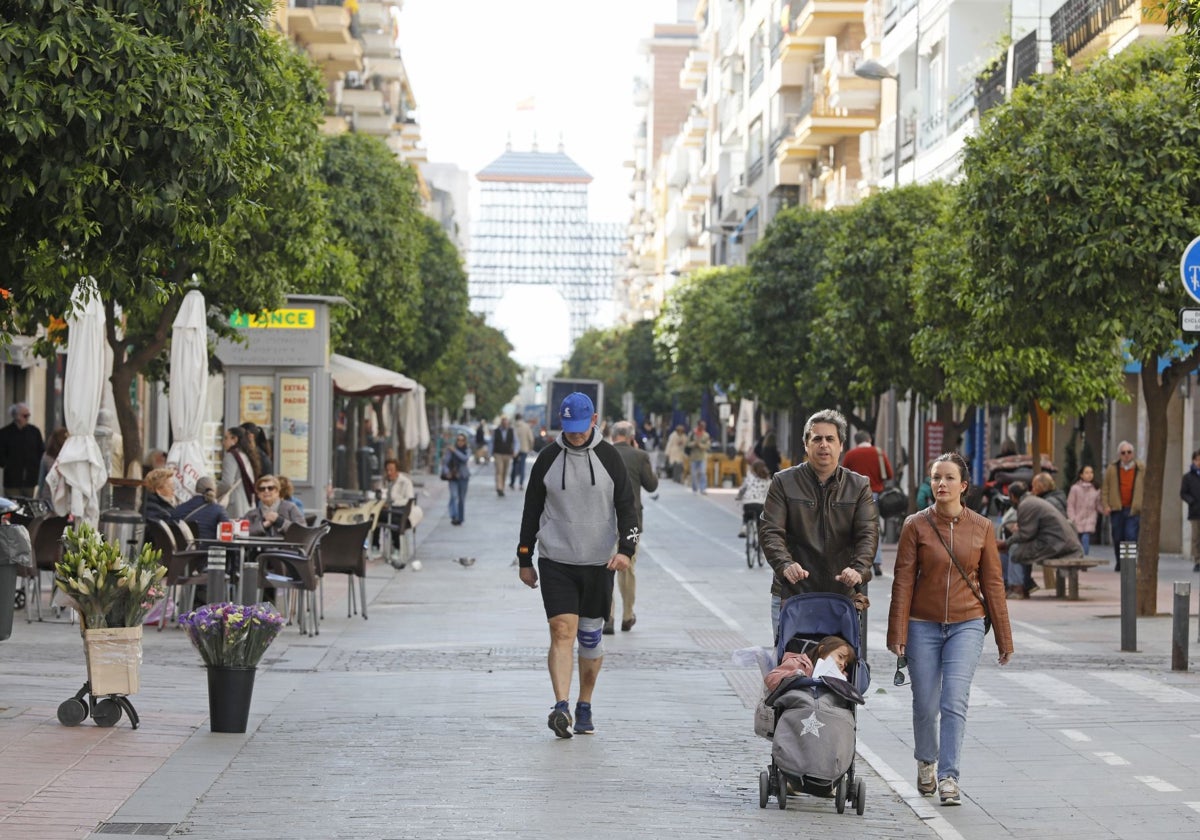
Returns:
<point x="1066" y="583"/>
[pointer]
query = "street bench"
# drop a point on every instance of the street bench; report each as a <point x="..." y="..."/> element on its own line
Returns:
<point x="1066" y="584"/>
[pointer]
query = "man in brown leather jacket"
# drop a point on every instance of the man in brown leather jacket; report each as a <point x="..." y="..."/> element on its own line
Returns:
<point x="818" y="529"/>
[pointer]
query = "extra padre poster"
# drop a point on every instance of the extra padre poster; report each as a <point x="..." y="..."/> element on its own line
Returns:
<point x="294" y="407"/>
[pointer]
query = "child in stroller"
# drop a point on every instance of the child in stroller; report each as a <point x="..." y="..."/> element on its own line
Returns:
<point x="815" y="710"/>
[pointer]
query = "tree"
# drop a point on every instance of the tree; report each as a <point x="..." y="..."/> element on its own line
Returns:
<point x="444" y="300"/>
<point x="143" y="144"/>
<point x="601" y="354"/>
<point x="1078" y="198"/>
<point x="489" y="369"/>
<point x="1184" y="17"/>
<point x="649" y="373"/>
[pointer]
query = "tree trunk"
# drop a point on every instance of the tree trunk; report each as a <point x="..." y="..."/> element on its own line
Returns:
<point x="798" y="417"/>
<point x="917" y="471"/>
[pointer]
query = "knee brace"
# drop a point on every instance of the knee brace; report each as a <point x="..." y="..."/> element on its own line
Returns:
<point x="591" y="638"/>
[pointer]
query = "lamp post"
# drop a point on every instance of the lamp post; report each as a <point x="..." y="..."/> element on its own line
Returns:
<point x="872" y="69"/>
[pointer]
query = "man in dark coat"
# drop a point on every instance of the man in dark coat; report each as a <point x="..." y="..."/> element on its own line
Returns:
<point x="642" y="477"/>
<point x="1189" y="491"/>
<point x="1043" y="533"/>
<point x="21" y="448"/>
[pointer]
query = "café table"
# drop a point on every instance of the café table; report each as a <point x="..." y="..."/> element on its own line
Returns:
<point x="246" y="571"/>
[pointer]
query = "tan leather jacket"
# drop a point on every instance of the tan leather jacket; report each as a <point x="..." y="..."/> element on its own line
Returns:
<point x="927" y="586"/>
<point x="823" y="528"/>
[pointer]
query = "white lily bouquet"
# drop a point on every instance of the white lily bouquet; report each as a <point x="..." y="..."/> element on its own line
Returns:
<point x="108" y="589"/>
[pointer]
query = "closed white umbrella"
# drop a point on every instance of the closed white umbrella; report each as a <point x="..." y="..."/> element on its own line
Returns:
<point x="79" y="475"/>
<point x="422" y="419"/>
<point x="744" y="436"/>
<point x="188" y="392"/>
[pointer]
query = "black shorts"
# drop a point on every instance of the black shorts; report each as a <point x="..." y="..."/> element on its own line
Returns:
<point x="751" y="511"/>
<point x="585" y="591"/>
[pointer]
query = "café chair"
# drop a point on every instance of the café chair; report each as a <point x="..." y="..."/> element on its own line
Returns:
<point x="394" y="526"/>
<point x="45" y="536"/>
<point x="186" y="567"/>
<point x="344" y="552"/>
<point x="295" y="565"/>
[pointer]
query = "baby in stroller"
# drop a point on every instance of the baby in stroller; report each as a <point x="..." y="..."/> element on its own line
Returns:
<point x="833" y="655"/>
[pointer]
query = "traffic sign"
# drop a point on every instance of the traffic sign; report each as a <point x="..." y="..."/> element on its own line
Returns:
<point x="1189" y="320"/>
<point x="1189" y="269"/>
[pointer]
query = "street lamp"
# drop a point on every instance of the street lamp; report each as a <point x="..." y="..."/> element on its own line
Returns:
<point x="872" y="69"/>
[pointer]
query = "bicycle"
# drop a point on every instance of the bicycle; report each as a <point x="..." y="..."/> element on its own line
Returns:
<point x="753" y="549"/>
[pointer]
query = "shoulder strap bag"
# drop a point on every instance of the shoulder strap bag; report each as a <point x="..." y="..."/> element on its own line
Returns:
<point x="987" y="616"/>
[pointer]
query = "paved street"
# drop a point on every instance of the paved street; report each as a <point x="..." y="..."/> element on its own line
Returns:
<point x="428" y="719"/>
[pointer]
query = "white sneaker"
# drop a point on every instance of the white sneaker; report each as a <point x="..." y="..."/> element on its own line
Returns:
<point x="948" y="791"/>
<point x="927" y="778"/>
<point x="416" y="565"/>
<point x="742" y="533"/>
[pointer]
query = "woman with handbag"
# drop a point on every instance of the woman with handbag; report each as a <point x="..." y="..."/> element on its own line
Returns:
<point x="456" y="469"/>
<point x="947" y="592"/>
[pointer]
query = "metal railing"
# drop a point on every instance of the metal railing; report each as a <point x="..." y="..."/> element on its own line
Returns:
<point x="990" y="84"/>
<point x="1025" y="58"/>
<point x="1077" y="22"/>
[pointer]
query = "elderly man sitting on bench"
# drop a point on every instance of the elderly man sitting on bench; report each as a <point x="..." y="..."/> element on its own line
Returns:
<point x="1042" y="533"/>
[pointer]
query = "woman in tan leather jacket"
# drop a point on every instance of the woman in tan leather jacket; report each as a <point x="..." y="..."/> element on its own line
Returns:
<point x="936" y="620"/>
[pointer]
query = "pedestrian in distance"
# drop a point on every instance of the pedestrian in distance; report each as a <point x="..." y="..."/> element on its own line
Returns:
<point x="925" y="490"/>
<point x="946" y="587"/>
<point x="1189" y="492"/>
<point x="481" y="444"/>
<point x="753" y="495"/>
<point x="676" y="453"/>
<point x="767" y="451"/>
<point x="641" y="477"/>
<point x="21" y="449"/>
<point x="1084" y="508"/>
<point x="818" y="528"/>
<point x="1041" y="532"/>
<point x="504" y="444"/>
<point x="456" y="470"/>
<point x="581" y="515"/>
<point x="238" y="472"/>
<point x="868" y="459"/>
<point x="699" y="444"/>
<point x="524" y="434"/>
<point x="1121" y="497"/>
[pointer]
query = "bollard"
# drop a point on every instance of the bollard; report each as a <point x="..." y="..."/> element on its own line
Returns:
<point x="216" y="584"/>
<point x="249" y="583"/>
<point x="1179" y="625"/>
<point x="1128" y="554"/>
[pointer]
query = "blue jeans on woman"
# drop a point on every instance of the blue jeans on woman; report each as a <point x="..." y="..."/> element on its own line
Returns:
<point x="458" y="498"/>
<point x="699" y="476"/>
<point x="941" y="665"/>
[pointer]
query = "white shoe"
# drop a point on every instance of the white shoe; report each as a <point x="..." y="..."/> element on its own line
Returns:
<point x="948" y="791"/>
<point x="927" y="778"/>
<point x="416" y="565"/>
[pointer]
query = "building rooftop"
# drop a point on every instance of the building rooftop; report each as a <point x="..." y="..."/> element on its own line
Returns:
<point x="534" y="167"/>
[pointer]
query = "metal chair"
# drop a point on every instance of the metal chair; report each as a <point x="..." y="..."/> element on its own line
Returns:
<point x="185" y="567"/>
<point x="395" y="523"/>
<point x="45" y="535"/>
<point x="344" y="552"/>
<point x="295" y="565"/>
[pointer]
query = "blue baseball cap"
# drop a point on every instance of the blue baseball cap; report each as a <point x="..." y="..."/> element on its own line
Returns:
<point x="576" y="412"/>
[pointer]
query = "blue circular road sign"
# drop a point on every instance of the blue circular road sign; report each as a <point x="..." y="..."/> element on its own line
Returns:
<point x="1189" y="269"/>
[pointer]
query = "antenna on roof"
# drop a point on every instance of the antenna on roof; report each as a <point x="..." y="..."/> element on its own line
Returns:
<point x="562" y="148"/>
<point x="508" y="143"/>
<point x="534" y="149"/>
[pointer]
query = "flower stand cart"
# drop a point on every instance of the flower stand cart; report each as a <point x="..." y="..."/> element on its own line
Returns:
<point x="114" y="659"/>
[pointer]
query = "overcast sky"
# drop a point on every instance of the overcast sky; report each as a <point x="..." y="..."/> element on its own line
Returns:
<point x="471" y="62"/>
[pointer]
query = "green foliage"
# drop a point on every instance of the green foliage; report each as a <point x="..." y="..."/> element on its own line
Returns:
<point x="648" y="371"/>
<point x="1184" y="17"/>
<point x="444" y="299"/>
<point x="602" y="354"/>
<point x="489" y="369"/>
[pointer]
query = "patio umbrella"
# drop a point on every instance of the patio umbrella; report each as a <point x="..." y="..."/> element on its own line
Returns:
<point x="744" y="437"/>
<point x="422" y="419"/>
<point x="79" y="475"/>
<point x="187" y="392"/>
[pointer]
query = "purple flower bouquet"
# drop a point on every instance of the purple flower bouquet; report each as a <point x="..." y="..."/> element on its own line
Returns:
<point x="232" y="635"/>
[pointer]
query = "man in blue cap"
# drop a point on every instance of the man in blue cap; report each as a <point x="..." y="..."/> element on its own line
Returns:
<point x="580" y="512"/>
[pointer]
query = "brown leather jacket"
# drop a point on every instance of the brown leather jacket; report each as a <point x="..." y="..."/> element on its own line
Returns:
<point x="927" y="586"/>
<point x="824" y="528"/>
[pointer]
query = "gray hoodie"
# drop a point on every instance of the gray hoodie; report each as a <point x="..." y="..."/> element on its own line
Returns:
<point x="579" y="505"/>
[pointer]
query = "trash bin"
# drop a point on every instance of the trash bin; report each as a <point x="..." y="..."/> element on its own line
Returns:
<point x="15" y="550"/>
<point x="123" y="528"/>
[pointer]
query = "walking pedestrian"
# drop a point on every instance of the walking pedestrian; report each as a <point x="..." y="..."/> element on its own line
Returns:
<point x="456" y="470"/>
<point x="524" y="446"/>
<point x="947" y="586"/>
<point x="818" y="528"/>
<point x="676" y="453"/>
<point x="1189" y="491"/>
<point x="581" y="514"/>
<point x="504" y="443"/>
<point x="868" y="459"/>
<point x="21" y="448"/>
<point x="1083" y="506"/>
<point x="641" y="477"/>
<point x="1121" y="497"/>
<point x="767" y="451"/>
<point x="699" y="443"/>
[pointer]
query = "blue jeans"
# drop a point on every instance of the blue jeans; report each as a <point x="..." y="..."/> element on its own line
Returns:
<point x="699" y="476"/>
<point x="941" y="665"/>
<point x="518" y="469"/>
<point x="1124" y="529"/>
<point x="458" y="498"/>
<point x="1085" y="540"/>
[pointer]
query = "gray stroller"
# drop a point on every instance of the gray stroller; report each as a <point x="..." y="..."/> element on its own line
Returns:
<point x="816" y="721"/>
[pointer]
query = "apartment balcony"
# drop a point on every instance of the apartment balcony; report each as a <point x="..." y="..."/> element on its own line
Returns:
<point x="695" y="129"/>
<point x="821" y="124"/>
<point x="378" y="44"/>
<point x="695" y="195"/>
<point x="319" y="24"/>
<point x="820" y="19"/>
<point x="362" y="100"/>
<point x="377" y="125"/>
<point x="695" y="70"/>
<point x="388" y="69"/>
<point x="690" y="258"/>
<point x="846" y="90"/>
<point x="794" y="67"/>
<point x="336" y="59"/>
<point x="410" y="130"/>
<point x="374" y="15"/>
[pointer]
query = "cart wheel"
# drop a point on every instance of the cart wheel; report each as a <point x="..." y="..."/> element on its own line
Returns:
<point x="782" y="793"/>
<point x="860" y="796"/>
<point x="72" y="712"/>
<point x="19" y="599"/>
<point x="839" y="795"/>
<point x="764" y="788"/>
<point x="106" y="713"/>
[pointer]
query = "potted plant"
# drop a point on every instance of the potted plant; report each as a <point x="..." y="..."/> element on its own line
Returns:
<point x="231" y="639"/>
<point x="112" y="594"/>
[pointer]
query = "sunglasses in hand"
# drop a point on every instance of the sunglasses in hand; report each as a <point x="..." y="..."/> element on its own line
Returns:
<point x="900" y="678"/>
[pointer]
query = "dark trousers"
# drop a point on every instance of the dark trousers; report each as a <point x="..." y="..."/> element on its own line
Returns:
<point x="1124" y="529"/>
<point x="518" y="469"/>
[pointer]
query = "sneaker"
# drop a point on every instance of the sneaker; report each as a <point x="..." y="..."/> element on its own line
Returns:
<point x="878" y="570"/>
<point x="926" y="778"/>
<point x="416" y="565"/>
<point x="609" y="628"/>
<point x="628" y="623"/>
<point x="742" y="533"/>
<point x="583" y="719"/>
<point x="948" y="791"/>
<point x="560" y="719"/>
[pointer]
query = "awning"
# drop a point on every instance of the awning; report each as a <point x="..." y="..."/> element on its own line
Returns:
<point x="359" y="379"/>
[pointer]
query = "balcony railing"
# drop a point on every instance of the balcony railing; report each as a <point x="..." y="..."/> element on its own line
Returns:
<point x="785" y="131"/>
<point x="1025" y="58"/>
<point x="891" y="16"/>
<point x="961" y="107"/>
<point x="989" y="85"/>
<point x="1079" y="21"/>
<point x="755" y="170"/>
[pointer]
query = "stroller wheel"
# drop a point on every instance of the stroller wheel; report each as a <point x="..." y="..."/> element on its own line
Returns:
<point x="840" y="795"/>
<point x="860" y="796"/>
<point x="764" y="788"/>
<point x="106" y="713"/>
<point x="72" y="712"/>
<point x="781" y="794"/>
